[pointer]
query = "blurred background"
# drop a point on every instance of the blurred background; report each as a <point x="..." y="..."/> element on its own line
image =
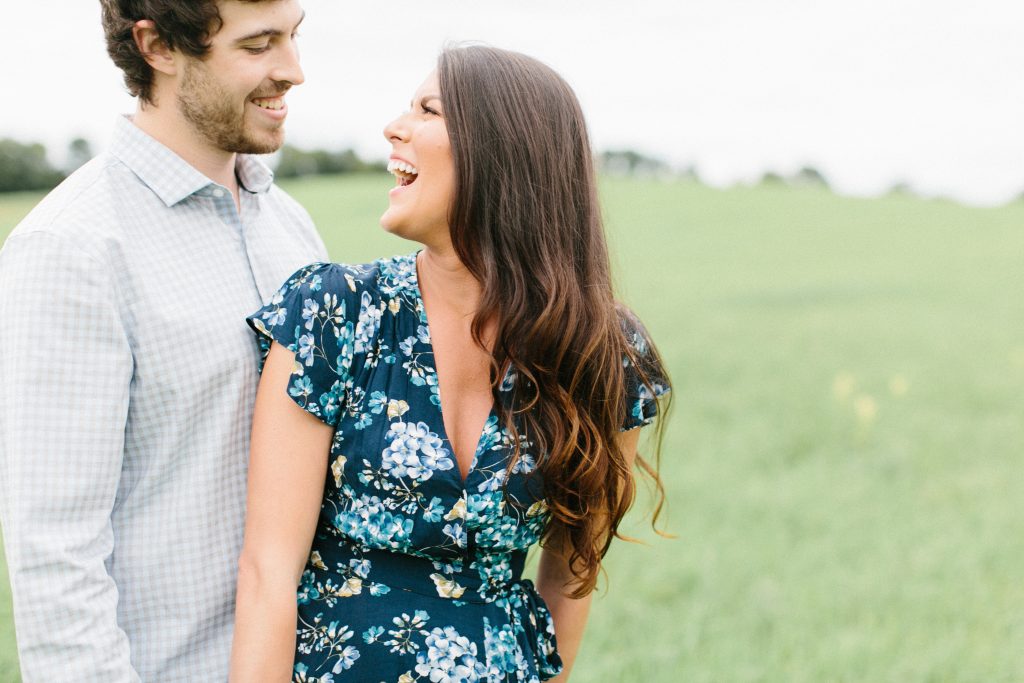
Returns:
<point x="818" y="210"/>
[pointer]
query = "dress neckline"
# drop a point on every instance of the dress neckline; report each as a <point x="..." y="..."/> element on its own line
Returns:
<point x="421" y="311"/>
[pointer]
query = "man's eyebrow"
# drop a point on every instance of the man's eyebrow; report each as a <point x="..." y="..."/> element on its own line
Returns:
<point x="266" y="33"/>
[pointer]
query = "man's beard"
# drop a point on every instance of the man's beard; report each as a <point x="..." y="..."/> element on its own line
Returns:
<point x="211" y="111"/>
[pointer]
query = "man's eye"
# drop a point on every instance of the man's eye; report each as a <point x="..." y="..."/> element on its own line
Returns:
<point x="257" y="49"/>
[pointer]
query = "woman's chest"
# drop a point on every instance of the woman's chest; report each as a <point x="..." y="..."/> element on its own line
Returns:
<point x="393" y="484"/>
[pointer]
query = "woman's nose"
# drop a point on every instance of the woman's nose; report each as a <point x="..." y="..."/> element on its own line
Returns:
<point x="396" y="130"/>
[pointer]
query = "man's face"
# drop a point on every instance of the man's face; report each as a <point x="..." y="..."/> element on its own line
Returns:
<point x="234" y="96"/>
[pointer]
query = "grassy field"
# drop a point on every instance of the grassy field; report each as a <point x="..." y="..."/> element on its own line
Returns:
<point x="844" y="459"/>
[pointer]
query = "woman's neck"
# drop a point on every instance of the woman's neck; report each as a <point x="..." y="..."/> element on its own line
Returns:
<point x="448" y="281"/>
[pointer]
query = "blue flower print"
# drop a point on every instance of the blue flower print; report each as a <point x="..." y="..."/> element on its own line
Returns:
<point x="378" y="402"/>
<point x="525" y="464"/>
<point x="399" y="533"/>
<point x="329" y="405"/>
<point x="369" y="321"/>
<point x="500" y="649"/>
<point x="310" y="311"/>
<point x="329" y="642"/>
<point x="275" y="316"/>
<point x="346" y="658"/>
<point x="407" y="345"/>
<point x="307" y="348"/>
<point x="450" y="658"/>
<point x="414" y="451"/>
<point x="434" y="510"/>
<point x="301" y="387"/>
<point x="302" y="675"/>
<point x="457" y="533"/>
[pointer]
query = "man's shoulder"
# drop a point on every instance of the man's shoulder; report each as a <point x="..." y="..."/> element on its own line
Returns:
<point x="85" y="204"/>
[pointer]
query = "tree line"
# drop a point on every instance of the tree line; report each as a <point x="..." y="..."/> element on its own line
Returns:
<point x="27" y="167"/>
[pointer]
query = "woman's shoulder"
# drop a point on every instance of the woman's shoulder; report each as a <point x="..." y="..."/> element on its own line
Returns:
<point x="645" y="377"/>
<point x="643" y="353"/>
<point x="346" y="279"/>
<point x="633" y="329"/>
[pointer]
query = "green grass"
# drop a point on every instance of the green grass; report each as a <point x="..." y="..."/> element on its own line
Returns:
<point x="8" y="655"/>
<point x="844" y="459"/>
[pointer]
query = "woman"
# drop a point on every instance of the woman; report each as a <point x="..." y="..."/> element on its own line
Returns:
<point x="470" y="400"/>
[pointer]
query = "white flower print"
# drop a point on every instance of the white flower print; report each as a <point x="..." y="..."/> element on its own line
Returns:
<point x="414" y="451"/>
<point x="395" y="533"/>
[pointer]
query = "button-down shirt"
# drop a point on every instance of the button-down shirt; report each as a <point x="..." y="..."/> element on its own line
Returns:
<point x="127" y="381"/>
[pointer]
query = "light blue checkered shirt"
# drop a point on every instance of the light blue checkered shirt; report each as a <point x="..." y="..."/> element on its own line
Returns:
<point x="127" y="380"/>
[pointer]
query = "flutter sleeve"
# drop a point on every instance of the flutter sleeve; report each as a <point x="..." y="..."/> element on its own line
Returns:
<point x="310" y="316"/>
<point x="641" y="399"/>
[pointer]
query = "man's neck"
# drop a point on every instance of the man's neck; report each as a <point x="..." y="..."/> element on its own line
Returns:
<point x="170" y="129"/>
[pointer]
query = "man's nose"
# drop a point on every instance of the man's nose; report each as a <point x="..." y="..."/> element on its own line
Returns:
<point x="288" y="68"/>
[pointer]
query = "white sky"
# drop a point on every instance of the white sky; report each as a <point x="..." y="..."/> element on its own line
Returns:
<point x="873" y="92"/>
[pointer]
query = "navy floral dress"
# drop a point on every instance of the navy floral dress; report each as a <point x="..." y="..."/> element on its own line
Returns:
<point x="414" y="574"/>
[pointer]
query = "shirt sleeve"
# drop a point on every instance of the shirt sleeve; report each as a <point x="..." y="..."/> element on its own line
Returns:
<point x="65" y="373"/>
<point x="310" y="316"/>
<point x="641" y="399"/>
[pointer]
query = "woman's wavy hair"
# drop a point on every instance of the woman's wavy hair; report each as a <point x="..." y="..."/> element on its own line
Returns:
<point x="184" y="26"/>
<point x="525" y="221"/>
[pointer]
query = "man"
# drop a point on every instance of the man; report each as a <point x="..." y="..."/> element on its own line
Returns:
<point x="127" y="372"/>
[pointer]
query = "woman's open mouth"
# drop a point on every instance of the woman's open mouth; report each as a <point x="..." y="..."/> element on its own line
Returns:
<point x="404" y="173"/>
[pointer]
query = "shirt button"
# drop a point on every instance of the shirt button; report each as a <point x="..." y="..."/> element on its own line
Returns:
<point x="218" y="193"/>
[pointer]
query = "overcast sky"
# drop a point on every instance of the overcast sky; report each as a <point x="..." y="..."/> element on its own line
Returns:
<point x="928" y="92"/>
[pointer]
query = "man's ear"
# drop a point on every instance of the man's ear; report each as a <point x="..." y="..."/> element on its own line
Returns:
<point x="154" y="50"/>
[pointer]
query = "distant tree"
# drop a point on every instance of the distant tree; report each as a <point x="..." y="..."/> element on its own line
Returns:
<point x="79" y="152"/>
<point x="689" y="173"/>
<point x="25" y="167"/>
<point x="772" y="178"/>
<point x="294" y="162"/>
<point x="630" y="162"/>
<point x="901" y="188"/>
<point x="809" y="175"/>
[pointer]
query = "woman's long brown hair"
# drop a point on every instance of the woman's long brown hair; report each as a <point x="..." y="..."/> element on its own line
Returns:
<point x="525" y="221"/>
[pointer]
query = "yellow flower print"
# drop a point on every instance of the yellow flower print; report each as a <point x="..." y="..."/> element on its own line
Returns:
<point x="338" y="469"/>
<point x="316" y="560"/>
<point x="458" y="511"/>
<point x="447" y="588"/>
<point x="352" y="586"/>
<point x="397" y="409"/>
<point x="538" y="508"/>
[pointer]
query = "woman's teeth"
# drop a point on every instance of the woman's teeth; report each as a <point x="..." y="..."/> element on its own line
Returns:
<point x="275" y="103"/>
<point x="404" y="172"/>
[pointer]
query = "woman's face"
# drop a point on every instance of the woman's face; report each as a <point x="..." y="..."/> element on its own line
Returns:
<point x="421" y="161"/>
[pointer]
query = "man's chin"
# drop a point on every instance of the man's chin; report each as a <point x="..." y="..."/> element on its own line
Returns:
<point x="260" y="145"/>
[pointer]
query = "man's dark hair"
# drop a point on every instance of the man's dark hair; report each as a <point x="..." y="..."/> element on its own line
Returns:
<point x="182" y="25"/>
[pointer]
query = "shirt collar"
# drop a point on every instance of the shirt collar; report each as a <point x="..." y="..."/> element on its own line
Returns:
<point x="253" y="175"/>
<point x="169" y="176"/>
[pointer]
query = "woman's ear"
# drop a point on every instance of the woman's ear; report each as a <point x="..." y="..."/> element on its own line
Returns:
<point x="153" y="48"/>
